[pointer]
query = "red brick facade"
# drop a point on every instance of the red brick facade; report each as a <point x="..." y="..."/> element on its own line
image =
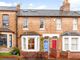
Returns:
<point x="16" y="24"/>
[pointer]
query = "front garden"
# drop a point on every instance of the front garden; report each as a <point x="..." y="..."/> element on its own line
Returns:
<point x="14" y="51"/>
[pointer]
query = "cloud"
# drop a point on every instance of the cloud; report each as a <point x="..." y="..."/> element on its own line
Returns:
<point x="32" y="6"/>
<point x="7" y="4"/>
<point x="42" y="7"/>
<point x="75" y="4"/>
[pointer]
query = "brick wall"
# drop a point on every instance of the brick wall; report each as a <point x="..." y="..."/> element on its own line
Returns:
<point x="50" y="26"/>
<point x="12" y="24"/>
<point x="12" y="19"/>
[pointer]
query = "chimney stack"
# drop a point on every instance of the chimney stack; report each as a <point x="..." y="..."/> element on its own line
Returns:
<point x="65" y="6"/>
<point x="18" y="7"/>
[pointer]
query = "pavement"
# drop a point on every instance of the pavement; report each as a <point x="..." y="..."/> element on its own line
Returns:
<point x="36" y="59"/>
<point x="7" y="59"/>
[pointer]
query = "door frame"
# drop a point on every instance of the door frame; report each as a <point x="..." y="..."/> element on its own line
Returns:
<point x="51" y="35"/>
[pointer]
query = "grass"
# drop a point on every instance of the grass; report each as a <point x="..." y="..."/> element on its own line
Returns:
<point x="5" y="54"/>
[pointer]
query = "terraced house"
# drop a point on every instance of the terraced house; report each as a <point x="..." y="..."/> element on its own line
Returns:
<point x="33" y="30"/>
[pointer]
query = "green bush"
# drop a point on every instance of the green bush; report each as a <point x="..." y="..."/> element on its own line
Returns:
<point x="15" y="51"/>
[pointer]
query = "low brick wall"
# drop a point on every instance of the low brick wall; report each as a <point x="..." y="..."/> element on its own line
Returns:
<point x="68" y="54"/>
<point x="34" y="54"/>
<point x="53" y="53"/>
<point x="64" y="54"/>
<point x="74" y="55"/>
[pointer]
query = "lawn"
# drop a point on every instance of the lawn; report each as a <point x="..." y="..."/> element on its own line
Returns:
<point x="5" y="54"/>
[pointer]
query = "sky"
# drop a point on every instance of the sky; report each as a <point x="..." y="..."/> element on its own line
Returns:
<point x="40" y="4"/>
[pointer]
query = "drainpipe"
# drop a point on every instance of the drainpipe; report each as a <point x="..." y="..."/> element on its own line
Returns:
<point x="16" y="30"/>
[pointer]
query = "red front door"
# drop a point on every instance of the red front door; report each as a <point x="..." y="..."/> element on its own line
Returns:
<point x="54" y="44"/>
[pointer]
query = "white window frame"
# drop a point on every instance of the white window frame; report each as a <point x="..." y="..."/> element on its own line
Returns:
<point x="58" y="24"/>
<point x="70" y="39"/>
<point x="66" y="43"/>
<point x="8" y="39"/>
<point x="5" y="25"/>
<point x="42" y="20"/>
<point x="36" y="46"/>
<point x="74" y="43"/>
<point x="75" y="24"/>
<point x="25" y="22"/>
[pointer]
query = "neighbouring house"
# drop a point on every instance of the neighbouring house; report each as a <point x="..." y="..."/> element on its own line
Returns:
<point x="33" y="30"/>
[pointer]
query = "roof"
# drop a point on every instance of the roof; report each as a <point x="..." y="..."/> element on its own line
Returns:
<point x="45" y="12"/>
<point x="71" y="34"/>
<point x="10" y="8"/>
<point x="5" y="30"/>
<point x="40" y="12"/>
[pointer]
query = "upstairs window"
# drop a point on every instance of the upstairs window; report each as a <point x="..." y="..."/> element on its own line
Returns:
<point x="5" y="21"/>
<point x="25" y="23"/>
<point x="75" y="24"/>
<point x="42" y="24"/>
<point x="58" y="24"/>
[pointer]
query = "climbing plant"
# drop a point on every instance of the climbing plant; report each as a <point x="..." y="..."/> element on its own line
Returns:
<point x="41" y="44"/>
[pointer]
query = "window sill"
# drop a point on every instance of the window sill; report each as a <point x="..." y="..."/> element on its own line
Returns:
<point x="42" y="29"/>
<point x="75" y="29"/>
<point x="25" y="29"/>
<point x="72" y="50"/>
<point x="58" y="29"/>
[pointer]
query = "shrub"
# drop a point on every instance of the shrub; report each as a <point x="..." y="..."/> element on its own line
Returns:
<point x="41" y="44"/>
<point x="15" y="51"/>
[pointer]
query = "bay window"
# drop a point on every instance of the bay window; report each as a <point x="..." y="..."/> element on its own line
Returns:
<point x="30" y="43"/>
<point x="66" y="44"/>
<point x="71" y="43"/>
<point x="74" y="44"/>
